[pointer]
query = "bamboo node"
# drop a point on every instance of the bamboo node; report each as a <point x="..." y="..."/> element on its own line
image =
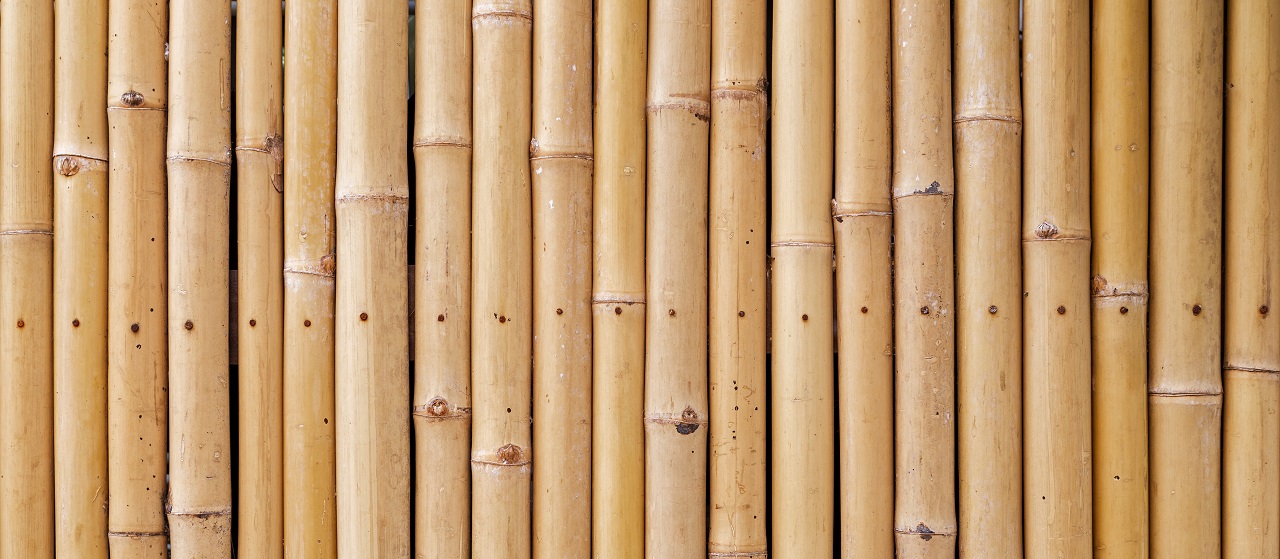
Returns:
<point x="716" y="554"/>
<point x="438" y="409"/>
<point x="801" y="244"/>
<point x="699" y="108"/>
<point x="923" y="531"/>
<point x="1240" y="368"/>
<point x="131" y="99"/>
<point x="27" y="232"/>
<point x="482" y="12"/>
<point x="67" y="166"/>
<point x="989" y="117"/>
<point x="1046" y="230"/>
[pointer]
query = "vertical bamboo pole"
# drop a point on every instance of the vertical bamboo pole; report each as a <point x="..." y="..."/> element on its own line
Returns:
<point x="1057" y="496"/>
<point x="1186" y="266"/>
<point x="618" y="290"/>
<point x="801" y="245"/>
<point x="736" y="270"/>
<point x="137" y="304"/>
<point x="988" y="153"/>
<point x="310" y="143"/>
<point x="80" y="269"/>
<point x="26" y="279"/>
<point x="1120" y="157"/>
<point x="561" y="160"/>
<point x="442" y="335"/>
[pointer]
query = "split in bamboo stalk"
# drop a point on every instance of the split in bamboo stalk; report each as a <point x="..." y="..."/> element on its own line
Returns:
<point x="1120" y="164"/>
<point x="80" y="272"/>
<point x="736" y="330"/>
<point x="26" y="280"/>
<point x="561" y="160"/>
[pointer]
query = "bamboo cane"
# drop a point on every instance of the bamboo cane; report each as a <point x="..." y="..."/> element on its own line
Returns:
<point x="561" y="160"/>
<point x="618" y="290"/>
<point x="988" y="149"/>
<point x="372" y="351"/>
<point x="442" y="335"/>
<point x="1120" y="164"/>
<point x="26" y="274"/>
<point x="137" y="304"/>
<point x="801" y="245"/>
<point x="310" y="137"/>
<point x="80" y="269"/>
<point x="1186" y="259"/>
<point x="736" y="329"/>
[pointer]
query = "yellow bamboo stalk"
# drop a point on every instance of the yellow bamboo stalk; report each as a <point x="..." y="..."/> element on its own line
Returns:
<point x="1057" y="496"/>
<point x="736" y="268"/>
<point x="1120" y="155"/>
<point x="310" y="143"/>
<point x="26" y="280"/>
<point x="618" y="288"/>
<point x="561" y="160"/>
<point x="80" y="270"/>
<point x="442" y="335"/>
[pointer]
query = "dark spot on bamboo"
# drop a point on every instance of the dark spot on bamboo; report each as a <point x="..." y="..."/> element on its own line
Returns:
<point x="839" y="219"/>
<point x="864" y="310"/>
<point x="1117" y="478"/>
<point x="924" y="310"/>
<point x="133" y="327"/>
<point x="21" y="323"/>
<point x="1196" y="309"/>
<point x="741" y="314"/>
<point x="559" y="311"/>
<point x="502" y="320"/>
<point x="67" y="166"/>
<point x="617" y="310"/>
<point x="1264" y="309"/>
<point x="992" y="309"/>
<point x="925" y="532"/>
<point x="364" y="316"/>
<point x="804" y="317"/>
<point x="671" y="312"/>
<point x="688" y="421"/>
<point x="252" y="323"/>
<point x="1124" y="310"/>
<point x="326" y="421"/>
<point x="934" y="188"/>
<point x="75" y="322"/>
<point x="439" y="318"/>
<point x="508" y="410"/>
<point x="306" y="323"/>
<point x="510" y="454"/>
<point x="188" y="325"/>
<point x="1046" y="230"/>
<point x="131" y="99"/>
<point x="1062" y="309"/>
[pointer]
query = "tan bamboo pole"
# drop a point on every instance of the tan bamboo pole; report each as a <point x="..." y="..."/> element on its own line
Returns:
<point x="988" y="160"/>
<point x="26" y="280"/>
<point x="801" y="246"/>
<point x="137" y="303"/>
<point x="561" y="161"/>
<point x="737" y="285"/>
<point x="618" y="289"/>
<point x="1120" y="158"/>
<point x="1185" y="372"/>
<point x="80" y="269"/>
<point x="310" y="144"/>
<point x="442" y="335"/>
<point x="1057" y="496"/>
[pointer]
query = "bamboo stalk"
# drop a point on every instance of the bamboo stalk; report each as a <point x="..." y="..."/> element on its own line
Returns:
<point x="372" y="351"/>
<point x="988" y="162"/>
<point x="736" y="268"/>
<point x="618" y="289"/>
<point x="561" y="160"/>
<point x="801" y="245"/>
<point x="26" y="280"/>
<point x="442" y="335"/>
<point x="1120" y="171"/>
<point x="80" y="269"/>
<point x="1057" y="496"/>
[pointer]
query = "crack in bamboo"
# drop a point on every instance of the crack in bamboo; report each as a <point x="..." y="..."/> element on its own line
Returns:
<point x="391" y="198"/>
<point x="57" y="156"/>
<point x="1243" y="369"/>
<point x="585" y="156"/>
<point x="320" y="271"/>
<point x="136" y="535"/>
<point x="500" y="14"/>
<point x="189" y="158"/>
<point x="443" y="141"/>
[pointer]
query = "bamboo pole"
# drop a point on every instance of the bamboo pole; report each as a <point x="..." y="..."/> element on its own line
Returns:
<point x="310" y="139"/>
<point x="1186" y="266"/>
<point x="561" y="160"/>
<point x="801" y="245"/>
<point x="137" y="304"/>
<point x="988" y="153"/>
<point x="26" y="280"/>
<point x="618" y="290"/>
<point x="736" y="268"/>
<point x="1057" y="496"/>
<point x="80" y="269"/>
<point x="1120" y="155"/>
<point x="442" y="335"/>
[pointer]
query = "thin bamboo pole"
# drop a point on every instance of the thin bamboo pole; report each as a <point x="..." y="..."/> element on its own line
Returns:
<point x="1120" y="158"/>
<point x="442" y="335"/>
<point x="618" y="289"/>
<point x="736" y="268"/>
<point x="26" y="280"/>
<point x="310" y="143"/>
<point x="801" y="245"/>
<point x="1186" y="266"/>
<point x="988" y="153"/>
<point x="561" y="160"/>
<point x="137" y="304"/>
<point x="80" y="270"/>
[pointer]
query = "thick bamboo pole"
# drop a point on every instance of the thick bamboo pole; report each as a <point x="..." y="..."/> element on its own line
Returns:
<point x="137" y="303"/>
<point x="561" y="160"/>
<point x="442" y="335"/>
<point x="80" y="270"/>
<point x="736" y="270"/>
<point x="988" y="153"/>
<point x="1120" y="158"/>
<point x="801" y="245"/>
<point x="26" y="280"/>
<point x="1186" y="266"/>
<point x="618" y="290"/>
